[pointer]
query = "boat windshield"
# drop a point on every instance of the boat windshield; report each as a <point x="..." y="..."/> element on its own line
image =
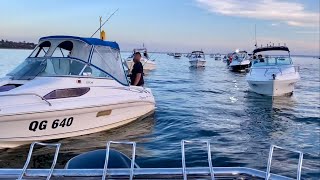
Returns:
<point x="239" y="56"/>
<point x="271" y="61"/>
<point x="197" y="55"/>
<point x="54" y="66"/>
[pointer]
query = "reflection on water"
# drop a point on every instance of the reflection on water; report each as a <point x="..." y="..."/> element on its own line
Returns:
<point x="137" y="131"/>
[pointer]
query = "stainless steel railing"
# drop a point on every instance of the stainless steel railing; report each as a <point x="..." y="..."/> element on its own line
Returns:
<point x="30" y="155"/>
<point x="184" y="171"/>
<point x="296" y="69"/>
<point x="105" y="168"/>
<point x="270" y="159"/>
<point x="209" y="171"/>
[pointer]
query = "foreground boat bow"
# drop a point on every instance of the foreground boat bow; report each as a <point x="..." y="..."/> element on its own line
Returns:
<point x="68" y="86"/>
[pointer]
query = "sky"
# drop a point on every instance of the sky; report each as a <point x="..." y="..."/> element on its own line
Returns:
<point x="170" y="25"/>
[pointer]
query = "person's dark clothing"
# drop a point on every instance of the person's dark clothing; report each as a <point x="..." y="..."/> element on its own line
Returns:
<point x="137" y="68"/>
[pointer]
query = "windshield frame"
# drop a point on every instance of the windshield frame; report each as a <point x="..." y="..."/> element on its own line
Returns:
<point x="45" y="59"/>
<point x="275" y="58"/>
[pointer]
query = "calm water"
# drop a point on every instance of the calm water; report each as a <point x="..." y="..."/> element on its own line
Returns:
<point x="211" y="103"/>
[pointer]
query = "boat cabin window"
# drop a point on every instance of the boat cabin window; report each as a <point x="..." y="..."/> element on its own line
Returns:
<point x="283" y="60"/>
<point x="70" y="67"/>
<point x="64" y="49"/>
<point x="41" y="50"/>
<point x="67" y="93"/>
<point x="197" y="55"/>
<point x="239" y="56"/>
<point x="32" y="67"/>
<point x="272" y="61"/>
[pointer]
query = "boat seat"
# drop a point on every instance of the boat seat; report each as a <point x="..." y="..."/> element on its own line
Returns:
<point x="96" y="159"/>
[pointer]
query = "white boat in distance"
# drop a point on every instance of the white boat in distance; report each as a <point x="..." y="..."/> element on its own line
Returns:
<point x="68" y="86"/>
<point x="177" y="55"/>
<point x="197" y="59"/>
<point x="240" y="61"/>
<point x="148" y="64"/>
<point x="273" y="75"/>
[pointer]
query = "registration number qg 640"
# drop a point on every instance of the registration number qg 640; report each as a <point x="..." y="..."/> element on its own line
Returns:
<point x="42" y="125"/>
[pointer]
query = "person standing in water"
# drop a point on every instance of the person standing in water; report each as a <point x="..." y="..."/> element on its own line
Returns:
<point x="137" y="71"/>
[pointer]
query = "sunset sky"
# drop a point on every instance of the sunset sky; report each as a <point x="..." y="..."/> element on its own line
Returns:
<point x="170" y="25"/>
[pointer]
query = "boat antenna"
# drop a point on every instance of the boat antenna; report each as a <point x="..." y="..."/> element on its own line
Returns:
<point x="99" y="29"/>
<point x="100" y="20"/>
<point x="255" y="35"/>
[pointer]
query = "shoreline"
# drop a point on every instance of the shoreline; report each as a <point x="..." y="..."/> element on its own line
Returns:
<point x="16" y="48"/>
<point x="293" y="55"/>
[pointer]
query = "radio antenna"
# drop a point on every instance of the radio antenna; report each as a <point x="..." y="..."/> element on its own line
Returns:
<point x="255" y="35"/>
<point x="104" y="22"/>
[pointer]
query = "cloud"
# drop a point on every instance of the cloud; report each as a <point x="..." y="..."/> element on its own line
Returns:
<point x="291" y="13"/>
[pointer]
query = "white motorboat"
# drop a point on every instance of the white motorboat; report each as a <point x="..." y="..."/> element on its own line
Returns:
<point x="170" y="54"/>
<point x="197" y="59"/>
<point x="240" y="61"/>
<point x="217" y="57"/>
<point x="273" y="75"/>
<point x="68" y="86"/>
<point x="148" y="64"/>
<point x="177" y="55"/>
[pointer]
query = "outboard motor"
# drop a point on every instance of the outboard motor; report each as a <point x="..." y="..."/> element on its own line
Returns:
<point x="96" y="159"/>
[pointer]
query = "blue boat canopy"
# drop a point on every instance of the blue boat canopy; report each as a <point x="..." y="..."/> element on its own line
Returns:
<point x="271" y="48"/>
<point x="90" y="41"/>
<point x="102" y="58"/>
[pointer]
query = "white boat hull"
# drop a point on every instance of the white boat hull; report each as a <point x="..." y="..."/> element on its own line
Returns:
<point x="273" y="87"/>
<point x="148" y="65"/>
<point x="197" y="63"/>
<point x="273" y="80"/>
<point x="68" y="123"/>
<point x="25" y="118"/>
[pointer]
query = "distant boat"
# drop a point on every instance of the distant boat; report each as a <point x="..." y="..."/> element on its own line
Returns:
<point x="217" y="57"/>
<point x="197" y="59"/>
<point x="273" y="75"/>
<point x="148" y="64"/>
<point x="240" y="61"/>
<point x="177" y="55"/>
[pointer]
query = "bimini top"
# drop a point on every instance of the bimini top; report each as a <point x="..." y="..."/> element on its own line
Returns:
<point x="271" y="48"/>
<point x="73" y="56"/>
<point x="90" y="41"/>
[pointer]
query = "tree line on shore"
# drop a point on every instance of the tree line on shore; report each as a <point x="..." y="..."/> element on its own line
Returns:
<point x="5" y="44"/>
